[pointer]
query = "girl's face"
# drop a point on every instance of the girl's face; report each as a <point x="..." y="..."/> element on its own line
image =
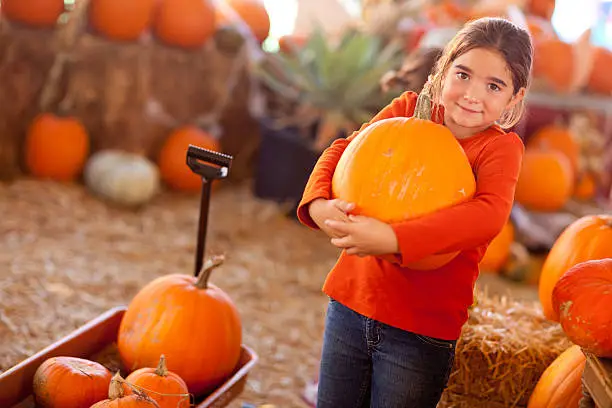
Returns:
<point x="477" y="90"/>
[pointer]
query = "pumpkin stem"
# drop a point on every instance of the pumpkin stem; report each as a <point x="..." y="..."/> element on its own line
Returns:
<point x="422" y="109"/>
<point x="162" y="369"/>
<point x="115" y="390"/>
<point x="209" y="266"/>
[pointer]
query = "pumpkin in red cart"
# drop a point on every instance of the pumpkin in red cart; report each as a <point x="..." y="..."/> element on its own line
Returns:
<point x="192" y="322"/>
<point x="166" y="388"/>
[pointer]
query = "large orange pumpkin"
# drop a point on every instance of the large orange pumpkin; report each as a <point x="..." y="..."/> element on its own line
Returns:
<point x="560" y="385"/>
<point x="121" y="20"/>
<point x="254" y="15"/>
<point x="586" y="239"/>
<point x="36" y="13"/>
<point x="402" y="168"/>
<point x="558" y="138"/>
<point x="554" y="61"/>
<point x="163" y="386"/>
<point x="185" y="23"/>
<point x="119" y="398"/>
<point x="582" y="298"/>
<point x="56" y="147"/>
<point x="173" y="168"/>
<point x="193" y="323"/>
<point x="545" y="182"/>
<point x="499" y="250"/>
<point x="61" y="382"/>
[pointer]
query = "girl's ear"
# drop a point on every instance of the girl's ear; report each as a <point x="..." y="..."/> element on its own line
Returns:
<point x="516" y="98"/>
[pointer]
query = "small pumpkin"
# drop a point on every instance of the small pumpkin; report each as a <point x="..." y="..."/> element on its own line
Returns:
<point x="121" y="20"/>
<point x="427" y="154"/>
<point x="35" y="13"/>
<point x="600" y="81"/>
<point x="557" y="138"/>
<point x="585" y="239"/>
<point x="579" y="298"/>
<point x="185" y="23"/>
<point x="560" y="385"/>
<point x="121" y="177"/>
<point x="61" y="382"/>
<point x="554" y="62"/>
<point x="254" y="15"/>
<point x="545" y="181"/>
<point x="163" y="386"/>
<point x="119" y="398"/>
<point x="498" y="251"/>
<point x="586" y="186"/>
<point x="193" y="323"/>
<point x="172" y="158"/>
<point x="56" y="147"/>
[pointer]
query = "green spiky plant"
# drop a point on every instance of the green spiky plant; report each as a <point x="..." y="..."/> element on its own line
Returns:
<point x="333" y="82"/>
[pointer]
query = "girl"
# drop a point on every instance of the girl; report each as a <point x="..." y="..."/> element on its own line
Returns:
<point x="390" y="331"/>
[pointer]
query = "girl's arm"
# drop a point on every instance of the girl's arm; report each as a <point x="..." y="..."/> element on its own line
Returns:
<point x="319" y="183"/>
<point x="474" y="222"/>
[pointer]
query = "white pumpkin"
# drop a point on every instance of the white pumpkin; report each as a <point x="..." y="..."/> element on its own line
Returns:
<point x="121" y="177"/>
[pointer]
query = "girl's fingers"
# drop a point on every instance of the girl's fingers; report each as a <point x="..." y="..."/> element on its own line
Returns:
<point x="343" y="205"/>
<point x="344" y="242"/>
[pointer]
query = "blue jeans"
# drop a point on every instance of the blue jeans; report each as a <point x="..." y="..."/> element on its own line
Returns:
<point x="366" y="363"/>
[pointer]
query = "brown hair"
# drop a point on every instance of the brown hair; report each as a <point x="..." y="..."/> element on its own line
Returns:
<point x="496" y="34"/>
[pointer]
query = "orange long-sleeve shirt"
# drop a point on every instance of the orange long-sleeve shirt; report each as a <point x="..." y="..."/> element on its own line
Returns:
<point x="432" y="302"/>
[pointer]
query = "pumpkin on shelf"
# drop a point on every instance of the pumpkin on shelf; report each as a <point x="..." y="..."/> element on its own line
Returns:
<point x="56" y="147"/>
<point x="560" y="385"/>
<point x="498" y="251"/>
<point x="119" y="398"/>
<point x="172" y="158"/>
<point x="121" y="177"/>
<point x="121" y="20"/>
<point x="34" y="13"/>
<point x="163" y="386"/>
<point x="586" y="186"/>
<point x="61" y="382"/>
<point x="559" y="138"/>
<point x="587" y="238"/>
<point x="254" y="15"/>
<point x="185" y="23"/>
<point x="579" y="298"/>
<point x="599" y="81"/>
<point x="192" y="322"/>
<point x="427" y="154"/>
<point x="554" y="63"/>
<point x="545" y="181"/>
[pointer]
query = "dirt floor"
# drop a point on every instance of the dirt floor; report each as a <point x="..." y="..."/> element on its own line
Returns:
<point x="66" y="257"/>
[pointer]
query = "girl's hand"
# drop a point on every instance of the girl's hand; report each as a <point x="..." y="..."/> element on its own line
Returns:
<point x="321" y="210"/>
<point x="363" y="236"/>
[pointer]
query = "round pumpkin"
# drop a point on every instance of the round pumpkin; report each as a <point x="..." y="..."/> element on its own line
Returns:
<point x="193" y="323"/>
<point x="554" y="62"/>
<point x="119" y="398"/>
<point x="61" y="382"/>
<point x="163" y="386"/>
<point x="35" y="13"/>
<point x="172" y="158"/>
<point x="585" y="239"/>
<point x="121" y="20"/>
<point x="498" y="250"/>
<point x="422" y="169"/>
<point x="56" y="147"/>
<point x="599" y="80"/>
<point x="560" y="385"/>
<point x="545" y="182"/>
<point x="586" y="187"/>
<point x="185" y="23"/>
<point x="541" y="8"/>
<point x="121" y="177"/>
<point x="557" y="138"/>
<point x="582" y="298"/>
<point x="254" y="15"/>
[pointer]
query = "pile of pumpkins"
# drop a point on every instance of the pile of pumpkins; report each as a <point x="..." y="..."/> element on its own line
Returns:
<point x="179" y="338"/>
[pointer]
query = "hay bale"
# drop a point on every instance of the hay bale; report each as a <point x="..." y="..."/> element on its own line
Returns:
<point x="26" y="56"/>
<point x="503" y="351"/>
<point x="452" y="400"/>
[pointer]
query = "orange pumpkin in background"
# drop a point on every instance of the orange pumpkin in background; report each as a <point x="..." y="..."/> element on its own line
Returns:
<point x="185" y="23"/>
<point x="586" y="187"/>
<point x="554" y="61"/>
<point x="35" y="13"/>
<point x="545" y="182"/>
<point x="499" y="250"/>
<point x="600" y="80"/>
<point x="163" y="386"/>
<point x="415" y="154"/>
<point x="582" y="298"/>
<point x="541" y="8"/>
<point x="56" y="147"/>
<point x="173" y="167"/>
<point x="254" y="15"/>
<point x="557" y="138"/>
<point x="121" y="20"/>
<point x="61" y="382"/>
<point x="585" y="239"/>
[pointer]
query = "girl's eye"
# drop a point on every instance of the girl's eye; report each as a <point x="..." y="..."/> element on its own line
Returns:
<point x="494" y="87"/>
<point x="462" y="75"/>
